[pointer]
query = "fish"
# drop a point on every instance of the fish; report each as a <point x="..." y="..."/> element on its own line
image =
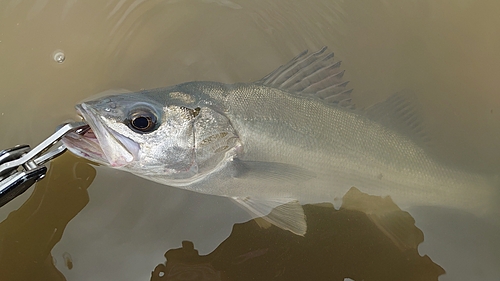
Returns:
<point x="290" y="138"/>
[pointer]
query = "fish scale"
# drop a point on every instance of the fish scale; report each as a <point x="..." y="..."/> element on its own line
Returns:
<point x="345" y="148"/>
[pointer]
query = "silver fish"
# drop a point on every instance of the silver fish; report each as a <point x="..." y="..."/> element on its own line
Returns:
<point x="290" y="137"/>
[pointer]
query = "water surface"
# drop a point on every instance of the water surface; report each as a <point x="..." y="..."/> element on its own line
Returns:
<point x="119" y="227"/>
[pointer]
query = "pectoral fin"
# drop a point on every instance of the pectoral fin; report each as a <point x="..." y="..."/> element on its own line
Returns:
<point x="285" y="213"/>
<point x="276" y="172"/>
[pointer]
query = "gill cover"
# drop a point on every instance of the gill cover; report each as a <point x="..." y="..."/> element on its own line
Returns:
<point x="161" y="140"/>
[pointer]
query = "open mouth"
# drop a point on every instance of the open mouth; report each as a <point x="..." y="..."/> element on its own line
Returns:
<point x="86" y="133"/>
<point x="100" y="143"/>
<point x="86" y="145"/>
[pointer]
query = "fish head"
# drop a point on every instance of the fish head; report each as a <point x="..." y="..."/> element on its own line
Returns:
<point x="155" y="137"/>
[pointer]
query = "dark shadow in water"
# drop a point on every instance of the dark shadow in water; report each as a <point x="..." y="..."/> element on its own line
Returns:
<point x="28" y="234"/>
<point x="369" y="238"/>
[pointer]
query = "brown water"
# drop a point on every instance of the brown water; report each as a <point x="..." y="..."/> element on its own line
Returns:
<point x="121" y="226"/>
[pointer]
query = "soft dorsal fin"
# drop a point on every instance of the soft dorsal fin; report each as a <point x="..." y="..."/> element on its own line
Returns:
<point x="401" y="112"/>
<point x="315" y="74"/>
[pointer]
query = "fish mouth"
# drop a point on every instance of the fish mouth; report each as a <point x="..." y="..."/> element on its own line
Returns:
<point x="100" y="143"/>
<point x="86" y="146"/>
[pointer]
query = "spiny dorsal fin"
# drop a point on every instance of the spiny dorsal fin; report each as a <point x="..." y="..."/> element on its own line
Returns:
<point x="401" y="113"/>
<point x="316" y="74"/>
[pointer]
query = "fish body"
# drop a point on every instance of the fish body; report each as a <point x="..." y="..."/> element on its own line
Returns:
<point x="290" y="137"/>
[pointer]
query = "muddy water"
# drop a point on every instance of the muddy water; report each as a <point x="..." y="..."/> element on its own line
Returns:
<point x="119" y="227"/>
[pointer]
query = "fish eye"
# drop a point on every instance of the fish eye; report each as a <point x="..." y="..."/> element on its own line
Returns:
<point x="142" y="122"/>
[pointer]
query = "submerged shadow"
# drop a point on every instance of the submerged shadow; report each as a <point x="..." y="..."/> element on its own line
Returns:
<point x="368" y="238"/>
<point x="28" y="234"/>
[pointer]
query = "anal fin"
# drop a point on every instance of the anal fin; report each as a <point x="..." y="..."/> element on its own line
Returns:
<point x="397" y="225"/>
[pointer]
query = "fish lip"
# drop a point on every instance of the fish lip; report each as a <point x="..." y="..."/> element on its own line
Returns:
<point x="93" y="148"/>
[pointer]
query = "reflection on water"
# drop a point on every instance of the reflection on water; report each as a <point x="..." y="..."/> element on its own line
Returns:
<point x="447" y="51"/>
<point x="341" y="244"/>
<point x="28" y="234"/>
